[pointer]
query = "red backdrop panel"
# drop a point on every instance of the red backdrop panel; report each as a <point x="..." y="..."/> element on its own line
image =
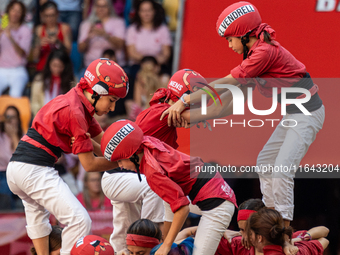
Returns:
<point x="311" y="36"/>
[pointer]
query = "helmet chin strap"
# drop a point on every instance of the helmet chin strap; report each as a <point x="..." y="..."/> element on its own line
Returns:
<point x="96" y="97"/>
<point x="244" y="41"/>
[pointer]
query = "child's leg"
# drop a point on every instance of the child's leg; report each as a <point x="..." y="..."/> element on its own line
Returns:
<point x="297" y="141"/>
<point x="127" y="194"/>
<point x="41" y="187"/>
<point x="265" y="162"/>
<point x="124" y="214"/>
<point x="212" y="225"/>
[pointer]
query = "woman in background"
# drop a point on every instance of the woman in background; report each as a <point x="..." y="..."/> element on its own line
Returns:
<point x="10" y="135"/>
<point x="55" y="80"/>
<point x="50" y="35"/>
<point x="15" y="43"/>
<point x="102" y="30"/>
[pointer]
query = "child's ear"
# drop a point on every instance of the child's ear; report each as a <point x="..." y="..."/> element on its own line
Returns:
<point x="259" y="238"/>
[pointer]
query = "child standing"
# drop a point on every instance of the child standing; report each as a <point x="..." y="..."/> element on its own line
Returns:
<point x="68" y="117"/>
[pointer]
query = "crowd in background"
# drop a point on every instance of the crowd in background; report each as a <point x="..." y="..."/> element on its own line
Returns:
<point x="44" y="49"/>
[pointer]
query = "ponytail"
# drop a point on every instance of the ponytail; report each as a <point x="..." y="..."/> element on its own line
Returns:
<point x="269" y="224"/>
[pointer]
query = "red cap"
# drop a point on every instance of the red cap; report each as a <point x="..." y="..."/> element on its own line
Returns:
<point x="92" y="245"/>
<point x="238" y="19"/>
<point x="121" y="140"/>
<point x="106" y="77"/>
<point x="185" y="81"/>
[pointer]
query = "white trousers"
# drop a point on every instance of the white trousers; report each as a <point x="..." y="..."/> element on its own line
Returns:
<point x="285" y="148"/>
<point x="42" y="192"/>
<point x="16" y="78"/>
<point x="131" y="200"/>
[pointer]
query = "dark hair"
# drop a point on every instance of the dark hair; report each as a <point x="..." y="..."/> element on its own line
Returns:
<point x="66" y="76"/>
<point x="54" y="240"/>
<point x="48" y="4"/>
<point x="269" y="224"/>
<point x="23" y="9"/>
<point x="252" y="204"/>
<point x="158" y="19"/>
<point x="2" y="124"/>
<point x="184" y="248"/>
<point x="145" y="227"/>
<point x="109" y="52"/>
<point x="149" y="58"/>
<point x="267" y="37"/>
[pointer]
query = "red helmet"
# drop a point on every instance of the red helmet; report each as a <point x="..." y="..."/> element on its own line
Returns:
<point x="106" y="77"/>
<point x="238" y="19"/>
<point x="91" y="245"/>
<point x="184" y="81"/>
<point x="121" y="140"/>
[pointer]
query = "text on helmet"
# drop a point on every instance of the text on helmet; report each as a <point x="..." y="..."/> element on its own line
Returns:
<point x="176" y="85"/>
<point x="89" y="75"/>
<point x="239" y="12"/>
<point x="116" y="140"/>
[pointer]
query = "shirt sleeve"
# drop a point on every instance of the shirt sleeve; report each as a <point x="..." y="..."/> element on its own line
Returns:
<point x="25" y="39"/>
<point x="165" y="35"/>
<point x="95" y="129"/>
<point x="131" y="35"/>
<point x="78" y="128"/>
<point x="253" y="66"/>
<point x="84" y="30"/>
<point x="166" y="189"/>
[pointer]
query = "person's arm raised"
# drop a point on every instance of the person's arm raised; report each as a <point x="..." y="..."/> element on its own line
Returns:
<point x="175" y="110"/>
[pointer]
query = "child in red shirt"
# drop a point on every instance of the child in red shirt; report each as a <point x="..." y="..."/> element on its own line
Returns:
<point x="266" y="65"/>
<point x="66" y="118"/>
<point x="173" y="176"/>
<point x="266" y="233"/>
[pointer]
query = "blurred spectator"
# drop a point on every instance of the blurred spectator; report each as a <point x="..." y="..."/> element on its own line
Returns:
<point x="102" y="30"/>
<point x="70" y="12"/>
<point x="148" y="36"/>
<point x="110" y="54"/>
<point x="50" y="35"/>
<point x="92" y="197"/>
<point x="15" y="41"/>
<point x="148" y="80"/>
<point x="10" y="134"/>
<point x="55" y="80"/>
<point x="97" y="204"/>
<point x="118" y="6"/>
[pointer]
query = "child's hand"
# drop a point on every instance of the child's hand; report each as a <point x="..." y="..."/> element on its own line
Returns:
<point x="73" y="138"/>
<point x="163" y="250"/>
<point x="290" y="249"/>
<point x="246" y="243"/>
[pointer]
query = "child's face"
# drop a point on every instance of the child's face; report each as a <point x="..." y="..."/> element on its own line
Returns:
<point x="136" y="250"/>
<point x="242" y="226"/>
<point x="235" y="44"/>
<point x="106" y="104"/>
<point x="148" y="66"/>
<point x="127" y="164"/>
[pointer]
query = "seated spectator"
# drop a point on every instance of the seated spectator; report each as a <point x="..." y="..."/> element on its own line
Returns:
<point x="148" y="36"/>
<point x="10" y="134"/>
<point x="98" y="206"/>
<point x="54" y="241"/>
<point x="148" y="80"/>
<point x="15" y="41"/>
<point x="55" y="80"/>
<point x="50" y="35"/>
<point x="92" y="197"/>
<point x="102" y="30"/>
